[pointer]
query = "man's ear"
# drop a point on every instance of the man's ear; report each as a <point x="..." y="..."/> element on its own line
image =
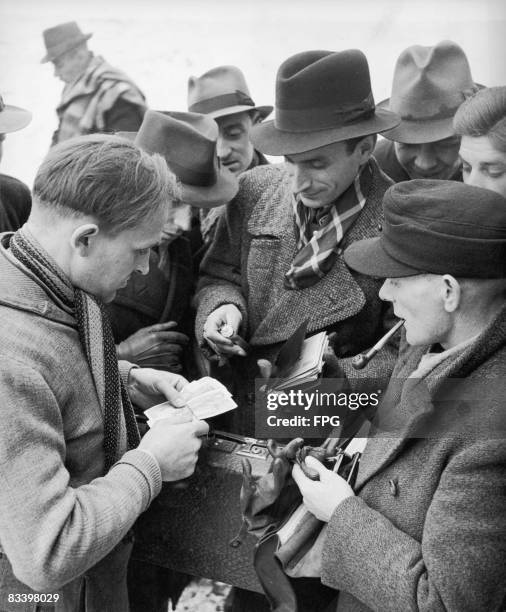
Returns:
<point x="452" y="293"/>
<point x="80" y="238"/>
<point x="365" y="148"/>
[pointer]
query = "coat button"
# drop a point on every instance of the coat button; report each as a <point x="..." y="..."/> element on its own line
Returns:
<point x="380" y="227"/>
<point x="394" y="489"/>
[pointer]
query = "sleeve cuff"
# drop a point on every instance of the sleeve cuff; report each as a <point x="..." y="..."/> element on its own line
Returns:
<point x="147" y="472"/>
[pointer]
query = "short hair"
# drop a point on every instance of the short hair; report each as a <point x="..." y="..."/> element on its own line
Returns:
<point x="484" y="114"/>
<point x="107" y="177"/>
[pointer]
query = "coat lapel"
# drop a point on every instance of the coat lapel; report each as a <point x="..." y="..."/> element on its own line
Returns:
<point x="397" y="422"/>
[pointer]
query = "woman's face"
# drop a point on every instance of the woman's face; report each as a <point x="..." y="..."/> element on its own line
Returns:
<point x="482" y="164"/>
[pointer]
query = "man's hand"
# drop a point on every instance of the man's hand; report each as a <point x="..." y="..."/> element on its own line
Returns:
<point x="148" y="387"/>
<point x="155" y="346"/>
<point x="321" y="497"/>
<point x="230" y="315"/>
<point x="174" y="442"/>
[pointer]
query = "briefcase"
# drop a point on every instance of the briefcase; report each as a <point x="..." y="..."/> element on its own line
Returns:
<point x="195" y="526"/>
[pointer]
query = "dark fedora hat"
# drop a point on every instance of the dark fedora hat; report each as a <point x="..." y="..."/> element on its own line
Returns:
<point x="429" y="84"/>
<point x="187" y="142"/>
<point x="321" y="97"/>
<point x="13" y="118"/>
<point x="62" y="38"/>
<point x="437" y="227"/>
<point x="222" y="91"/>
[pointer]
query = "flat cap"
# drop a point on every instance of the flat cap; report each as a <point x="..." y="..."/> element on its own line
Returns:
<point x="437" y="227"/>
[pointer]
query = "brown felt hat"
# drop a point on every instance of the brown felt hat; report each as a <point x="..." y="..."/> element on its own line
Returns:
<point x="62" y="38"/>
<point x="429" y="85"/>
<point x="436" y="227"/>
<point x="187" y="142"/>
<point x="222" y="91"/>
<point x="321" y="97"/>
<point x="13" y="118"/>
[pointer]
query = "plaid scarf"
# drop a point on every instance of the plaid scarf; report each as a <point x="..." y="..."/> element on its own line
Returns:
<point x="96" y="338"/>
<point x="317" y="251"/>
<point x="86" y="101"/>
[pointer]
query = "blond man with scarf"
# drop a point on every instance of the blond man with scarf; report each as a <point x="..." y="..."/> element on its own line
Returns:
<point x="75" y="475"/>
<point x="97" y="97"/>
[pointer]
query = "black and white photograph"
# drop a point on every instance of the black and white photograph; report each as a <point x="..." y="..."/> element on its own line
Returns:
<point x="252" y="306"/>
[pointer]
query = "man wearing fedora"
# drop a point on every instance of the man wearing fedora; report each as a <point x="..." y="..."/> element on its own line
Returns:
<point x="15" y="198"/>
<point x="429" y="85"/>
<point x="425" y="527"/>
<point x="75" y="475"/>
<point x="145" y="312"/>
<point x="223" y="94"/>
<point x="277" y="256"/>
<point x="97" y="97"/>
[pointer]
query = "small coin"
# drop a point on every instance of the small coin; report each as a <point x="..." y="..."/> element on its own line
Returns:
<point x="227" y="331"/>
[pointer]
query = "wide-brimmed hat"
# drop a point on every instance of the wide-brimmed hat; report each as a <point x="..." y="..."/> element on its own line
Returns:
<point x="436" y="227"/>
<point x="429" y="84"/>
<point x="13" y="118"/>
<point x="62" y="38"/>
<point x="222" y="91"/>
<point x="187" y="142"/>
<point x="321" y="97"/>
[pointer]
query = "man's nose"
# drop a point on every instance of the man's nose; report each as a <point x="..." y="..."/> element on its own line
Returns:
<point x="384" y="292"/>
<point x="223" y="149"/>
<point x="300" y="179"/>
<point x="426" y="158"/>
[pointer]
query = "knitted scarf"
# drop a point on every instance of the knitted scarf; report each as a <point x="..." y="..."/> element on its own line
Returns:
<point x="317" y="250"/>
<point x="96" y="338"/>
<point x="85" y="102"/>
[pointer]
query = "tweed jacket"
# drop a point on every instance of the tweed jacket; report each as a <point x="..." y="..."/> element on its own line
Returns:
<point x="62" y="521"/>
<point x="245" y="265"/>
<point x="254" y="246"/>
<point x="388" y="162"/>
<point x="427" y="530"/>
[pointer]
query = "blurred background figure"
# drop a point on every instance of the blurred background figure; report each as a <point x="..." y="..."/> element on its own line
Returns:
<point x="429" y="85"/>
<point x="15" y="198"/>
<point x="481" y="122"/>
<point x="97" y="97"/>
